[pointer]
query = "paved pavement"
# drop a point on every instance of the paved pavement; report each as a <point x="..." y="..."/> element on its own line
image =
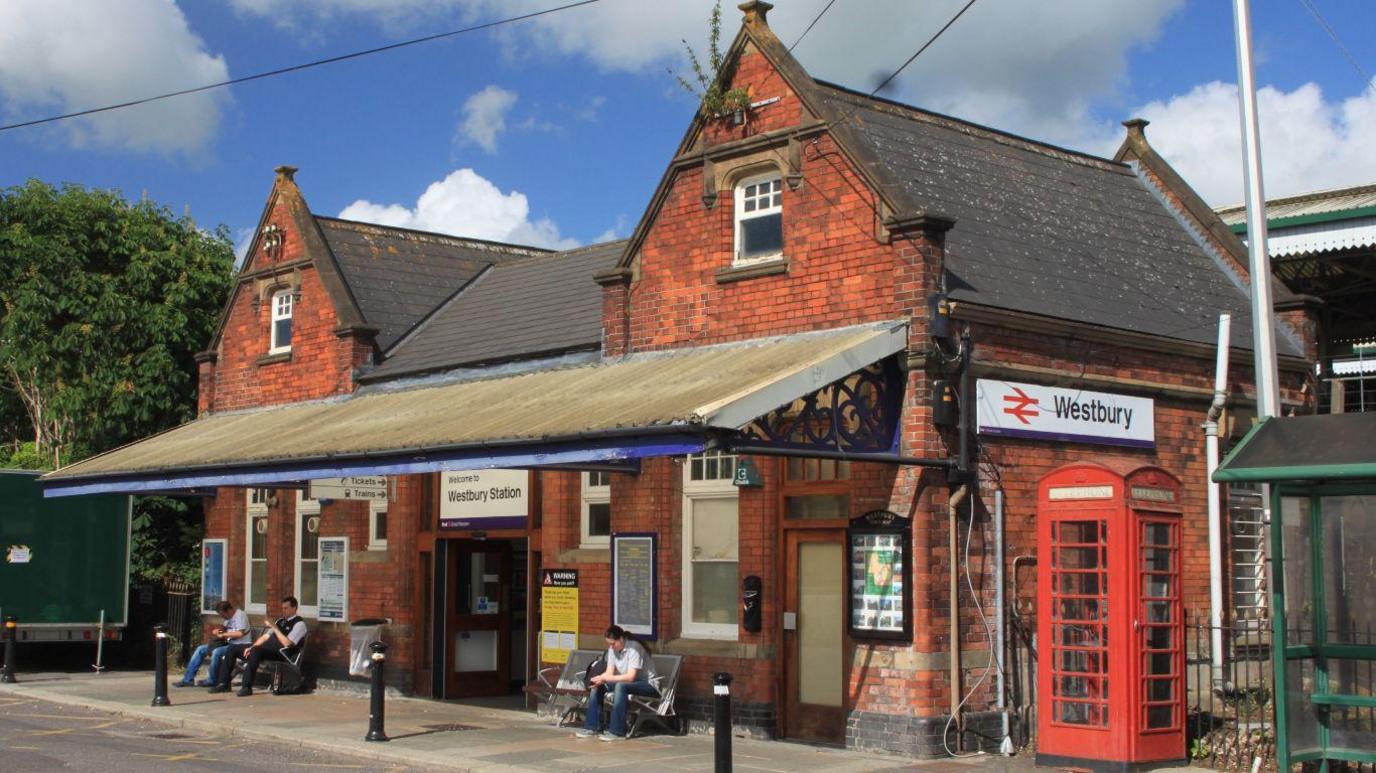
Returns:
<point x="37" y="735"/>
<point x="426" y="734"/>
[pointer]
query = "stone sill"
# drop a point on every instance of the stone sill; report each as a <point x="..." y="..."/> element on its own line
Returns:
<point x="753" y="271"/>
<point x="717" y="649"/>
<point x="269" y="359"/>
<point x="594" y="555"/>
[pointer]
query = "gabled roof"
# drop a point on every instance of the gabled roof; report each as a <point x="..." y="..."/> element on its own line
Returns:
<point x="520" y="308"/>
<point x="1044" y="230"/>
<point x="398" y="276"/>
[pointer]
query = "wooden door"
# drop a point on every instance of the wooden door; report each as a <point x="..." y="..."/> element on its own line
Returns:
<point x="814" y="635"/>
<point x="479" y="619"/>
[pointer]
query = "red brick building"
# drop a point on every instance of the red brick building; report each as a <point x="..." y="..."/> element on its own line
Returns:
<point x="791" y="303"/>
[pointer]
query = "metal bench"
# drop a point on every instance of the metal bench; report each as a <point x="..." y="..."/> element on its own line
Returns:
<point x="284" y="672"/>
<point x="658" y="709"/>
<point x="566" y="696"/>
<point x="561" y="688"/>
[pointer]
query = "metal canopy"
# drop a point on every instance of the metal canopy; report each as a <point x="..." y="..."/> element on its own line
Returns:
<point x="1336" y="447"/>
<point x="654" y="404"/>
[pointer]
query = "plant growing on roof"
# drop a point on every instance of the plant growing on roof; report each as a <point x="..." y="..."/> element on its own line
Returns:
<point x="717" y="101"/>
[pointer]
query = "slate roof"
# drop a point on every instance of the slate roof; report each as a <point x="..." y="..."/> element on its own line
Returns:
<point x="1044" y="230"/>
<point x="398" y="276"/>
<point x="519" y="308"/>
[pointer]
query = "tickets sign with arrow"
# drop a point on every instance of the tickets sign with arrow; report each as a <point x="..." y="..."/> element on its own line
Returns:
<point x="1009" y="409"/>
<point x="371" y="488"/>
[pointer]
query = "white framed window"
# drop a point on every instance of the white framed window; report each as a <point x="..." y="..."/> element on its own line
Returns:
<point x="281" y="322"/>
<point x="377" y="525"/>
<point x="597" y="509"/>
<point x="256" y="551"/>
<point x="759" y="219"/>
<point x="307" y="555"/>
<point x="711" y="543"/>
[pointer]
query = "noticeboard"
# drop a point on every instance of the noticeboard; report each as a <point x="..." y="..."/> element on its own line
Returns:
<point x="633" y="583"/>
<point x="333" y="579"/>
<point x="213" y="577"/>
<point x="558" y="614"/>
<point x="880" y="597"/>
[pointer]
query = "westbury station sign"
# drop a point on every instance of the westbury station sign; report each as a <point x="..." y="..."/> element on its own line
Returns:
<point x="1010" y="409"/>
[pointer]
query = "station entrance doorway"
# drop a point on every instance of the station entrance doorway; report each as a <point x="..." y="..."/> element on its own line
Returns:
<point x="484" y="617"/>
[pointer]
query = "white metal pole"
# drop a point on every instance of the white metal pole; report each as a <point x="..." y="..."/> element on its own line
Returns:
<point x="100" y="643"/>
<point x="1263" y="329"/>
<point x="1006" y="745"/>
<point x="1216" y="526"/>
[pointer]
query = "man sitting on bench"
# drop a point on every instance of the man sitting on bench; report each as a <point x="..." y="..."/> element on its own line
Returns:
<point x="630" y="671"/>
<point x="281" y="639"/>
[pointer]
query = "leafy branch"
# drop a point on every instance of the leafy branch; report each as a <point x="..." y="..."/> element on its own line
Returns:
<point x="709" y="87"/>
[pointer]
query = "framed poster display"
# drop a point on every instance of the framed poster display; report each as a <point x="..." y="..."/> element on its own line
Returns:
<point x="333" y="579"/>
<point x="878" y="559"/>
<point x="212" y="574"/>
<point x="633" y="583"/>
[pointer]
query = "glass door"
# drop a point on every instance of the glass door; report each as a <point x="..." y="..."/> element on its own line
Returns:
<point x="1079" y="623"/>
<point x="1160" y="636"/>
<point x="479" y="619"/>
<point x="814" y="636"/>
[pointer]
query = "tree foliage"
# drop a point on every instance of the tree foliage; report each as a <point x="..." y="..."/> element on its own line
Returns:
<point x="717" y="100"/>
<point x="103" y="305"/>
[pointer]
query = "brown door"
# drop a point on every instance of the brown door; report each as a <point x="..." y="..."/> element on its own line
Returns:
<point x="814" y="636"/>
<point x="479" y="619"/>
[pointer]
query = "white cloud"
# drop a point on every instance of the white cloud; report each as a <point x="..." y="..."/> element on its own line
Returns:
<point x="484" y="117"/>
<point x="60" y="56"/>
<point x="466" y="204"/>
<point x="1307" y="142"/>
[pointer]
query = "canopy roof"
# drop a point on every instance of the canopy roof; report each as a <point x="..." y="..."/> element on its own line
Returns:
<point x="1329" y="447"/>
<point x="650" y="404"/>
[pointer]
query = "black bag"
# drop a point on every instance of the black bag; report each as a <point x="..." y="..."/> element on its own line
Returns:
<point x="595" y="668"/>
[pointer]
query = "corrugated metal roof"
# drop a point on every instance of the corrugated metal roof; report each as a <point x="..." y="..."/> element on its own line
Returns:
<point x="1316" y="203"/>
<point x="724" y="386"/>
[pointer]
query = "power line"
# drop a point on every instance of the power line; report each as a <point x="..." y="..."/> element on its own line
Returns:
<point x="1332" y="33"/>
<point x="815" y="19"/>
<point x="299" y="67"/>
<point x="924" y="47"/>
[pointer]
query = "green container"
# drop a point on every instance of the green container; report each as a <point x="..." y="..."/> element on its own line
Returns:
<point x="62" y="560"/>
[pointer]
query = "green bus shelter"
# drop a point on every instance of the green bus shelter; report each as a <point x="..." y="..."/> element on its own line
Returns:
<point x="1322" y="476"/>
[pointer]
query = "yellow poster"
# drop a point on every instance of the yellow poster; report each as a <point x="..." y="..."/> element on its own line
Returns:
<point x="558" y="614"/>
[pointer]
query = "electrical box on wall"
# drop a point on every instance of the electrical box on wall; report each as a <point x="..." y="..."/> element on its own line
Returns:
<point x="939" y="317"/>
<point x="945" y="411"/>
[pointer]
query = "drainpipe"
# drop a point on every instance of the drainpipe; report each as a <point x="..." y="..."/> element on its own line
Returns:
<point x="953" y="523"/>
<point x="1225" y="323"/>
<point x="1006" y="745"/>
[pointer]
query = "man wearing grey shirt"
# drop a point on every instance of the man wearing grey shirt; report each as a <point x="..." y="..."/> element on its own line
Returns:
<point x="234" y="631"/>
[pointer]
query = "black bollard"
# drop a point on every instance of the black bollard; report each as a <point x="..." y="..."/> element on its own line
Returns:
<point x="11" y="634"/>
<point x="160" y="665"/>
<point x="376" y="707"/>
<point x="721" y="688"/>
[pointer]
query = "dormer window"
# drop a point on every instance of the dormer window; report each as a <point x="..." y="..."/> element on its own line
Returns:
<point x="759" y="219"/>
<point x="281" y="322"/>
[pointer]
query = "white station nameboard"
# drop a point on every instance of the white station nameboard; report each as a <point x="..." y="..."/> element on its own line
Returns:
<point x="485" y="499"/>
<point x="1008" y="409"/>
<point x="372" y="488"/>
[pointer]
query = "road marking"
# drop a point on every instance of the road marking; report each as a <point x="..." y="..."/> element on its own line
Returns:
<point x="325" y="765"/>
<point x="25" y="748"/>
<point x="176" y="757"/>
<point x="63" y="731"/>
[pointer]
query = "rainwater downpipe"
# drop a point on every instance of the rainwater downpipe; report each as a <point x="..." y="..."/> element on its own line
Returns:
<point x="1225" y="323"/>
<point x="1006" y="745"/>
<point x="952" y="522"/>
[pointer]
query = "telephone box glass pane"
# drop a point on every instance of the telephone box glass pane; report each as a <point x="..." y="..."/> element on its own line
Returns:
<point x="1159" y="716"/>
<point x="1079" y="607"/>
<point x="1349" y="532"/>
<point x="1299" y="576"/>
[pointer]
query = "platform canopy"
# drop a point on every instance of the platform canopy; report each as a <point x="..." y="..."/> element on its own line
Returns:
<point x="647" y="404"/>
<point x="1333" y="447"/>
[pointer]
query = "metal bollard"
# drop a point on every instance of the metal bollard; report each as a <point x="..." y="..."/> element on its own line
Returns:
<point x="11" y="634"/>
<point x="376" y="708"/>
<point x="721" y="688"/>
<point x="160" y="665"/>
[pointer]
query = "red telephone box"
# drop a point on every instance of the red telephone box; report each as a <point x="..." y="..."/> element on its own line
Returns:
<point x="1111" y="653"/>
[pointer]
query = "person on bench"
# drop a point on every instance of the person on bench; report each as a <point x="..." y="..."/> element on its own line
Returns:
<point x="630" y="671"/>
<point x="281" y="639"/>
<point x="234" y="631"/>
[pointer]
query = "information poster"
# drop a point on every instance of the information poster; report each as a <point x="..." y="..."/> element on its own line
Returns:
<point x="334" y="579"/>
<point x="484" y="499"/>
<point x="633" y="583"/>
<point x="880" y="596"/>
<point x="212" y="574"/>
<point x="558" y="614"/>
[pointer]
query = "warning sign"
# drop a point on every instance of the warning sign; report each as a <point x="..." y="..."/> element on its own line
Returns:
<point x="558" y="614"/>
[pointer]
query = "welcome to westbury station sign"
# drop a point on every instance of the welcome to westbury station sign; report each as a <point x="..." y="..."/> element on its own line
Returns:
<point x="1010" y="409"/>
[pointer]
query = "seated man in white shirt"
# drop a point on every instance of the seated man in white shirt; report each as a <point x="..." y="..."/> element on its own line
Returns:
<point x="630" y="671"/>
<point x="234" y="631"/>
<point x="282" y="639"/>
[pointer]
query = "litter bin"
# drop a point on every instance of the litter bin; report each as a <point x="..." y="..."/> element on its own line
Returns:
<point x="361" y="634"/>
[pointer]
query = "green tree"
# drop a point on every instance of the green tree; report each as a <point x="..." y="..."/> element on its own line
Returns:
<point x="103" y="304"/>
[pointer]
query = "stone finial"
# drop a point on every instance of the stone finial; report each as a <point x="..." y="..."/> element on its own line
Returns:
<point x="1137" y="127"/>
<point x="285" y="172"/>
<point x="755" y="12"/>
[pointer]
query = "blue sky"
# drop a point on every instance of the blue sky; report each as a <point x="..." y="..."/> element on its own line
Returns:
<point x="556" y="131"/>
